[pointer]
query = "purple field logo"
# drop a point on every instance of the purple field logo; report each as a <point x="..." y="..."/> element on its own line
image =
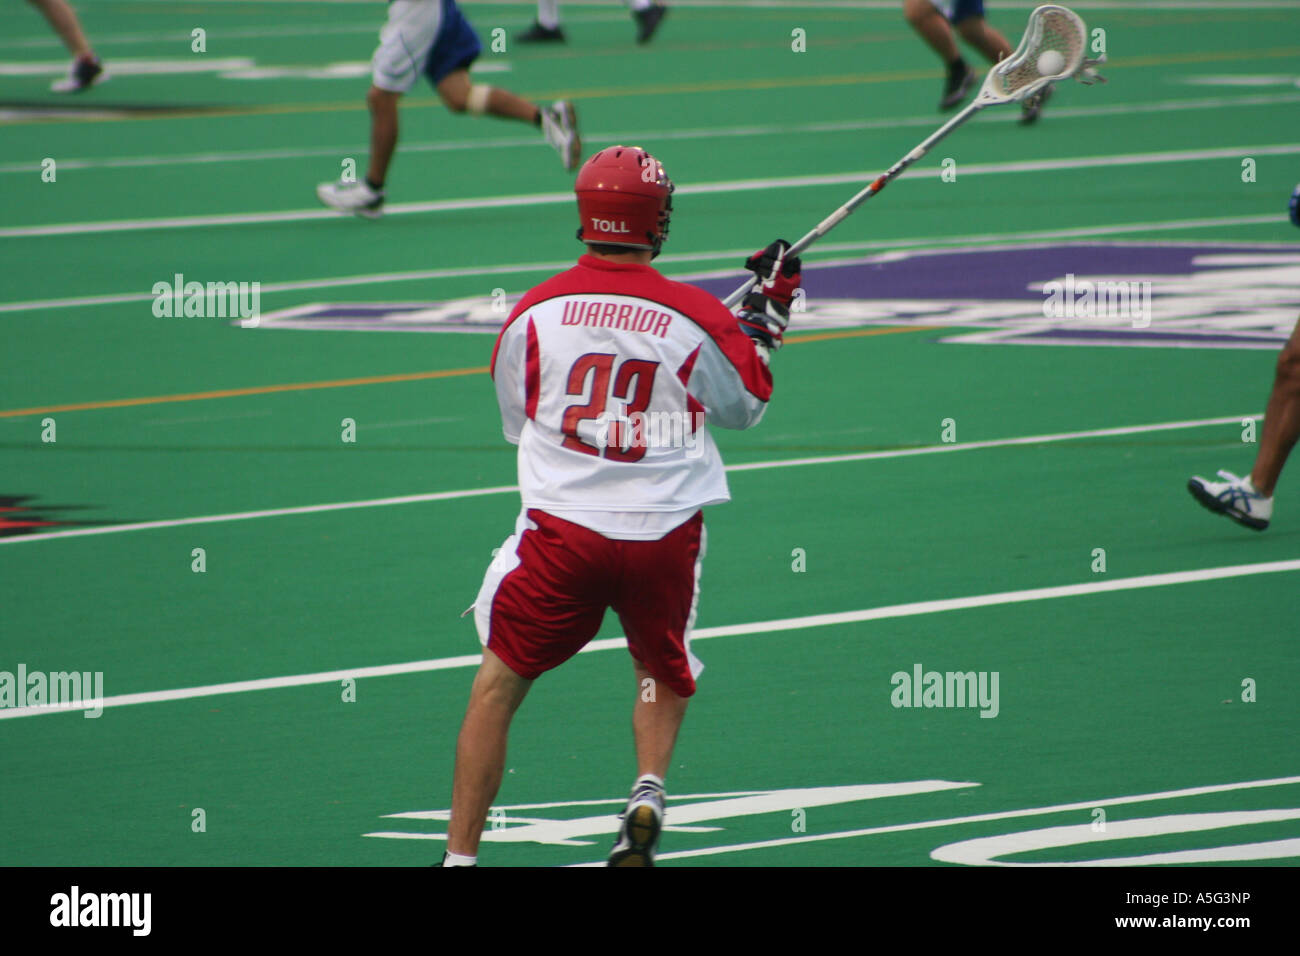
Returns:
<point x="1161" y="294"/>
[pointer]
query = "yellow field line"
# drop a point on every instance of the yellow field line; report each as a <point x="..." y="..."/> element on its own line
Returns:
<point x="240" y="392"/>
<point x="367" y="380"/>
<point x="856" y="333"/>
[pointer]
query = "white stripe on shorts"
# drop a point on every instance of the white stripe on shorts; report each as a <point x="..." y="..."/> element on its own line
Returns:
<point x="505" y="561"/>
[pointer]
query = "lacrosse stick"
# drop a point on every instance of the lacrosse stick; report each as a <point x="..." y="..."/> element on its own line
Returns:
<point x="1055" y="41"/>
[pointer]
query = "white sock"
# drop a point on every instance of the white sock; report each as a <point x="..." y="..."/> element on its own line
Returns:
<point x="649" y="778"/>
<point x="640" y="5"/>
<point x="455" y="859"/>
<point x="548" y="13"/>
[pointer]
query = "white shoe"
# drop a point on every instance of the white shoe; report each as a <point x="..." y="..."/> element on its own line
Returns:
<point x="1235" y="497"/>
<point x="560" y="124"/>
<point x="356" y="198"/>
<point x="643" y="819"/>
<point x="83" y="75"/>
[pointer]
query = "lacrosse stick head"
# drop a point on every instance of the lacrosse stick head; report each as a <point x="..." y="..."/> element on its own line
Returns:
<point x="1053" y="48"/>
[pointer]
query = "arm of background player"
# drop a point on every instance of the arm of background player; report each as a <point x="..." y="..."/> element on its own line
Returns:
<point x="511" y="374"/>
<point x="729" y="378"/>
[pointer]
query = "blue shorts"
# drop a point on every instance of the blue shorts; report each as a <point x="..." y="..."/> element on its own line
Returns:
<point x="958" y="10"/>
<point x="422" y="36"/>
<point x="457" y="45"/>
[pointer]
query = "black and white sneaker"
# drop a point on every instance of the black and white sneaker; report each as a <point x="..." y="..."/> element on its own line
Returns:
<point x="540" y="34"/>
<point x="960" y="79"/>
<point x="648" y="20"/>
<point x="356" y="198"/>
<point x="1235" y="498"/>
<point x="560" y="126"/>
<point x="643" y="819"/>
<point x="85" y="73"/>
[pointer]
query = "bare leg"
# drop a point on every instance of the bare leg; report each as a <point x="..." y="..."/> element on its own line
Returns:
<point x="977" y="32"/>
<point x="65" y="23"/>
<point x="655" y="723"/>
<point x="926" y="20"/>
<point x="383" y="132"/>
<point x="481" y="751"/>
<point x="454" y="91"/>
<point x="1281" y="419"/>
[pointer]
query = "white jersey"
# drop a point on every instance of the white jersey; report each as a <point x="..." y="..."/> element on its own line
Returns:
<point x="608" y="376"/>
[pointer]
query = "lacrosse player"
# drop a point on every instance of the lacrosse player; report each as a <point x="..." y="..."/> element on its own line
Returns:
<point x="587" y="362"/>
<point x="434" y="38"/>
<point x="546" y="28"/>
<point x="931" y="20"/>
<point x="1249" y="500"/>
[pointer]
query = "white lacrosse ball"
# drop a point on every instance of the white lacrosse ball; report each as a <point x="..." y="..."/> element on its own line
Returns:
<point x="1050" y="63"/>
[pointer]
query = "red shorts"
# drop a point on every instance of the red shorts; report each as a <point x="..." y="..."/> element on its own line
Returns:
<point x="545" y="595"/>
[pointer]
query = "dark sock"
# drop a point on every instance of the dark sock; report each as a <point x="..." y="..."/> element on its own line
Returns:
<point x="957" y="67"/>
<point x="377" y="187"/>
<point x="537" y="120"/>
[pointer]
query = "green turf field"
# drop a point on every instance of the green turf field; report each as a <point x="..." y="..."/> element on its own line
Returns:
<point x="339" y="630"/>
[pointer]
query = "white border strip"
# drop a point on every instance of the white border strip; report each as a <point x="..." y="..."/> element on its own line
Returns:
<point x="748" y="466"/>
<point x="725" y="186"/>
<point x="758" y="627"/>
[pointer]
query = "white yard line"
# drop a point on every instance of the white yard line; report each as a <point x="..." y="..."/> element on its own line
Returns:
<point x="1086" y="805"/>
<point x="718" y="132"/>
<point x="759" y="627"/>
<point x="509" y="489"/>
<point x="422" y="275"/>
<point x="726" y="186"/>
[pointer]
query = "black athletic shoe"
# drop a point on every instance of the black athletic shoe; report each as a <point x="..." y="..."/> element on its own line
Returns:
<point x="84" y="74"/>
<point x="1033" y="105"/>
<point x="540" y="34"/>
<point x="648" y="20"/>
<point x="960" y="80"/>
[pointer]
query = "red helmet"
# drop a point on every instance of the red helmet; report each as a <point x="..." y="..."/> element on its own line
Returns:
<point x="624" y="199"/>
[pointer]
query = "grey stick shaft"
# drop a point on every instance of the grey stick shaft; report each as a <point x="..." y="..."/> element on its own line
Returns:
<point x="879" y="183"/>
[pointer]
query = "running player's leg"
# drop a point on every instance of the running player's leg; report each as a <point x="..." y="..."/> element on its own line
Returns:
<point x="656" y="606"/>
<point x="481" y="751"/>
<point x="86" y="68"/>
<point x="968" y="18"/>
<point x="447" y="68"/>
<point x="977" y="31"/>
<point x="930" y="23"/>
<point x="1281" y="419"/>
<point x="64" y="20"/>
<point x="405" y="43"/>
<point x="543" y="598"/>
<point x="558" y="122"/>
<point x="383" y="134"/>
<point x="656" y="719"/>
<point x="459" y="94"/>
<point x="1249" y="500"/>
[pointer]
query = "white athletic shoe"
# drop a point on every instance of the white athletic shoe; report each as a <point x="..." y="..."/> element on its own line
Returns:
<point x="356" y="198"/>
<point x="643" y="819"/>
<point x="560" y="124"/>
<point x="1235" y="497"/>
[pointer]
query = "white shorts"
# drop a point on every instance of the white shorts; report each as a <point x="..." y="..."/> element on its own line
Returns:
<point x="404" y="43"/>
